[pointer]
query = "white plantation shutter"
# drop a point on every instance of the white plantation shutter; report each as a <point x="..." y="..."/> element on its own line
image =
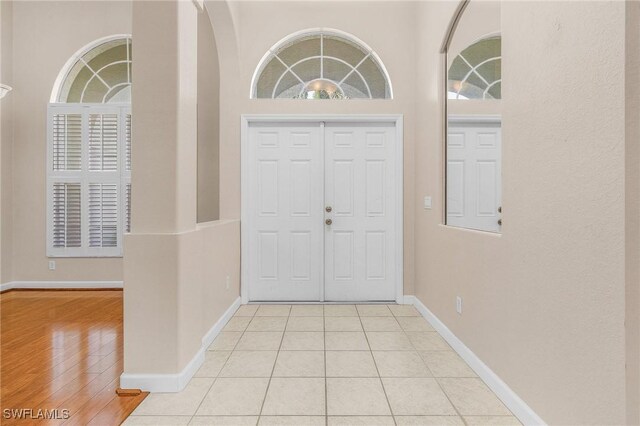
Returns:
<point x="88" y="179"/>
<point x="128" y="141"/>
<point x="127" y="208"/>
<point x="103" y="215"/>
<point x="67" y="141"/>
<point x="127" y="171"/>
<point x="67" y="224"/>
<point x="103" y="142"/>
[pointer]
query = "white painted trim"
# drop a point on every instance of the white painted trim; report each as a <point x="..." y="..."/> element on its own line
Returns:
<point x="163" y="382"/>
<point x="475" y="118"/>
<point x="399" y="172"/>
<point x="397" y="119"/>
<point x="199" y="4"/>
<point x="178" y="381"/>
<point x="518" y="407"/>
<point x="55" y="285"/>
<point x="213" y="332"/>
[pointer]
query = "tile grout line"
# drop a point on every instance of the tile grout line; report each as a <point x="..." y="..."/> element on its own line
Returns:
<point x="215" y="379"/>
<point x="326" y="385"/>
<point x="436" y="380"/>
<point x="376" y="365"/>
<point x="266" y="392"/>
<point x="450" y="402"/>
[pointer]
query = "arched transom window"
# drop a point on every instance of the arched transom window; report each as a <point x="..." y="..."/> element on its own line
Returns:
<point x="102" y="74"/>
<point x="321" y="64"/>
<point x="476" y="73"/>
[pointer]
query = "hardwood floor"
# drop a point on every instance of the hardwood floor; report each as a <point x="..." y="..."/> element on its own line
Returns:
<point x="63" y="350"/>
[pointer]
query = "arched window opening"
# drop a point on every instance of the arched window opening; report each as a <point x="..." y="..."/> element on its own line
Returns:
<point x="89" y="152"/>
<point x="321" y="64"/>
<point x="476" y="73"/>
<point x="102" y="74"/>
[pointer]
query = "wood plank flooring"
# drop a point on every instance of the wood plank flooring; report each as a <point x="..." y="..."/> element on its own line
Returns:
<point x="63" y="350"/>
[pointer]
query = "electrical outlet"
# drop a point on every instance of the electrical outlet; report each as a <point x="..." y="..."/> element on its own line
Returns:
<point x="459" y="305"/>
<point x="228" y="282"/>
<point x="52" y="265"/>
<point x="427" y="202"/>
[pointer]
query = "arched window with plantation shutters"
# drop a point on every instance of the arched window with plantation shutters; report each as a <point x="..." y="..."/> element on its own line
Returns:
<point x="89" y="152"/>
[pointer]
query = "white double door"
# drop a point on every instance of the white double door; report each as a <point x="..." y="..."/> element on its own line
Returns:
<point x="320" y="212"/>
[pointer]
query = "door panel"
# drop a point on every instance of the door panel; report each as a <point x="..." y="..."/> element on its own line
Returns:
<point x="285" y="212"/>
<point x="360" y="189"/>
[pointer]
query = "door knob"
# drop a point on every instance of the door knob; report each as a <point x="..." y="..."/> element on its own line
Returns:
<point x="328" y="221"/>
<point x="500" y="222"/>
<point x="328" y="209"/>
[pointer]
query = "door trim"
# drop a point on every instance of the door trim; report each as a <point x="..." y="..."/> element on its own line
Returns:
<point x="397" y="119"/>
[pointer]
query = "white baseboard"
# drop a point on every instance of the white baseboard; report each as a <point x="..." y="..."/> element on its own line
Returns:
<point x="178" y="381"/>
<point x="213" y="332"/>
<point x="518" y="407"/>
<point x="49" y="285"/>
<point x="163" y="382"/>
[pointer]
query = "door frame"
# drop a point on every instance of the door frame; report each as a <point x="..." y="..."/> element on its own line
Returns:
<point x="397" y="119"/>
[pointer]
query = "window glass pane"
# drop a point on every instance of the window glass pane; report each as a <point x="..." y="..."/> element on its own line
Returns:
<point x="322" y="66"/>
<point x="374" y="78"/>
<point x="308" y="70"/>
<point x="340" y="48"/>
<point x="354" y="87"/>
<point x="335" y="70"/>
<point x="94" y="91"/>
<point x="476" y="68"/>
<point x="269" y="78"/>
<point x="289" y="87"/>
<point x="491" y="70"/>
<point x="106" y="54"/>
<point x="77" y="84"/>
<point x="301" y="49"/>
<point x="495" y="91"/>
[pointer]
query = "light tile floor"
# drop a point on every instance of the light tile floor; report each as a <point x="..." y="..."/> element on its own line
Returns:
<point x="328" y="365"/>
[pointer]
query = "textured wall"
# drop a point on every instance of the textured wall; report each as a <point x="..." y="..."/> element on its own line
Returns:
<point x="6" y="142"/>
<point x="46" y="35"/>
<point x="632" y="211"/>
<point x="544" y="301"/>
<point x="208" y="122"/>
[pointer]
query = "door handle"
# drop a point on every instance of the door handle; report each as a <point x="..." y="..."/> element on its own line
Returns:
<point x="328" y="209"/>
<point x="328" y="221"/>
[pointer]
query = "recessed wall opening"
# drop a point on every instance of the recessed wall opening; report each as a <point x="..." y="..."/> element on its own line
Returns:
<point x="473" y="87"/>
